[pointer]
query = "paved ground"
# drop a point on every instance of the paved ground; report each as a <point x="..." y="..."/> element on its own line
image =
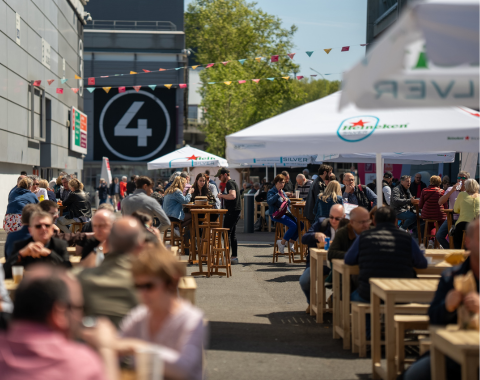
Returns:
<point x="258" y="325"/>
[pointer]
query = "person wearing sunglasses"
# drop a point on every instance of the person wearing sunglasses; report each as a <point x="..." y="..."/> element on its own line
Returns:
<point x="40" y="247"/>
<point x="450" y="196"/>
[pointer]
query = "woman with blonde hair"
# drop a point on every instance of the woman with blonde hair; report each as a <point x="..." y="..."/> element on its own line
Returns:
<point x="77" y="205"/>
<point x="467" y="206"/>
<point x="174" y="200"/>
<point x="43" y="183"/>
<point x="331" y="196"/>
<point x="19" y="197"/>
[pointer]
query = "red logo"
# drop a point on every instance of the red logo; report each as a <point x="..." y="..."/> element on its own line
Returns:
<point x="192" y="158"/>
<point x="360" y="123"/>
<point x="467" y="138"/>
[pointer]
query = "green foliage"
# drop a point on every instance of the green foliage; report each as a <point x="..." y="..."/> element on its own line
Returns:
<point x="229" y="30"/>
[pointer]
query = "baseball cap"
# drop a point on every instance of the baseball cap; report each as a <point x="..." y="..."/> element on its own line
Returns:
<point x="388" y="175"/>
<point x="222" y="171"/>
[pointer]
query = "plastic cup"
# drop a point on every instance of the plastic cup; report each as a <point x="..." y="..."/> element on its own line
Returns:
<point x="148" y="364"/>
<point x="297" y="193"/>
<point x="17" y="272"/>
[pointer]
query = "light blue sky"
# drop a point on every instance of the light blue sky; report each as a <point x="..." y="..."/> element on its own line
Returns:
<point x="322" y="24"/>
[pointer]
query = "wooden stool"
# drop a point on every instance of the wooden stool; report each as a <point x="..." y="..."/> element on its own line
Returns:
<point x="220" y="255"/>
<point x="173" y="240"/>
<point x="427" y="232"/>
<point x="407" y="322"/>
<point x="279" y="232"/>
<point x="424" y="345"/>
<point x="77" y="226"/>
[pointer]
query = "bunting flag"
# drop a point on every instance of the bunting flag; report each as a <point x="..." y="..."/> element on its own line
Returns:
<point x="137" y="88"/>
<point x="209" y="65"/>
<point x="91" y="89"/>
<point x="63" y="80"/>
<point x="59" y="91"/>
<point x="37" y="82"/>
<point x="228" y="83"/>
<point x="168" y="86"/>
<point x="147" y="71"/>
<point x="256" y="80"/>
<point x="242" y="61"/>
<point x="194" y="67"/>
<point x="300" y="77"/>
<point x="225" y="63"/>
<point x="327" y="50"/>
<point x="106" y="89"/>
<point x="133" y="73"/>
<point x="272" y="79"/>
<point x="313" y="75"/>
<point x="346" y="48"/>
<point x="106" y="76"/>
<point x="291" y="55"/>
<point x="91" y="81"/>
<point x="286" y="78"/>
<point x="121" y="89"/>
<point x="178" y="68"/>
<point x="258" y="59"/>
<point x="75" y="90"/>
<point x="77" y="77"/>
<point x="309" y="53"/>
<point x="50" y="81"/>
<point x="152" y="86"/>
<point x="242" y="81"/>
<point x="274" y="58"/>
<point x="162" y="69"/>
<point x="212" y="82"/>
<point x="182" y="85"/>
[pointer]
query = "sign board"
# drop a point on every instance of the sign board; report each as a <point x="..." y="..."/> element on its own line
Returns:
<point x="17" y="28"/>
<point x="45" y="53"/>
<point x="78" y="131"/>
<point x="134" y="126"/>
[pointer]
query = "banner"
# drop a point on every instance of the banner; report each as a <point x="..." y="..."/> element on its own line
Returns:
<point x="106" y="174"/>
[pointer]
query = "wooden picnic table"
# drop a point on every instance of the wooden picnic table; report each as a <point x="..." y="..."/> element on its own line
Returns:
<point x="392" y="292"/>
<point x="459" y="345"/>
<point x="318" y="300"/>
<point x="450" y="213"/>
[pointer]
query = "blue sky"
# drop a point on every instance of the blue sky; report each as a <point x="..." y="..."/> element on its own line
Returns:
<point x="322" y="24"/>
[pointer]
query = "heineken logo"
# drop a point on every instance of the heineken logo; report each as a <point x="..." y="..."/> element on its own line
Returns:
<point x="358" y="128"/>
<point x="198" y="158"/>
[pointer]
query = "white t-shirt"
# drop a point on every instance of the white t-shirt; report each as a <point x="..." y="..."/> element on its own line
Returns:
<point x="387" y="192"/>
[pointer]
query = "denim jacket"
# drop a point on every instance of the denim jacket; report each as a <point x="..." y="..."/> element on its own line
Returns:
<point x="274" y="200"/>
<point x="322" y="208"/>
<point x="173" y="204"/>
<point x="19" y="199"/>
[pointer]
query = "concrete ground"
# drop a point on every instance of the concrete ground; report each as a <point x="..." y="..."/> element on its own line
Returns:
<point x="258" y="325"/>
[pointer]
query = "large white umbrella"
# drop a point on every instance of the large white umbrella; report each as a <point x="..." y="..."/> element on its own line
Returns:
<point x="429" y="57"/>
<point x="187" y="157"/>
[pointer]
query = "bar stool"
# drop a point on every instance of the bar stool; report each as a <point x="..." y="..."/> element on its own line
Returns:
<point x="173" y="240"/>
<point x="427" y="234"/>
<point x="279" y="232"/>
<point x="77" y="226"/>
<point x="220" y="255"/>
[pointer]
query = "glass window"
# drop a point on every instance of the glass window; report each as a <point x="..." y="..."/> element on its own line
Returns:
<point x="193" y="112"/>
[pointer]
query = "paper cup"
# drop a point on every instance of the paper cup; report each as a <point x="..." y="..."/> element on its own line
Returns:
<point x="148" y="364"/>
<point x="297" y="193"/>
<point x="17" y="273"/>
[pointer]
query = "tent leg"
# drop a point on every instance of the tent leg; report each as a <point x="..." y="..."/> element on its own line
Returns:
<point x="266" y="173"/>
<point x="274" y="170"/>
<point x="379" y="165"/>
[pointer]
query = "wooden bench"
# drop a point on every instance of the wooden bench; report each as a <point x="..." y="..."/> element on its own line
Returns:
<point x="403" y="323"/>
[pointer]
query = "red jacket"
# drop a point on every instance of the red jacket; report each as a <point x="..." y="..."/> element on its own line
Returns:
<point x="123" y="188"/>
<point x="429" y="203"/>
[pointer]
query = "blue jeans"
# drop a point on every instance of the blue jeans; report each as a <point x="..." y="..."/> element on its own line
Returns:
<point x="102" y="201"/>
<point x="292" y="233"/>
<point x="441" y="234"/>
<point x="420" y="370"/>
<point x="409" y="219"/>
<point x="305" y="283"/>
<point x="355" y="297"/>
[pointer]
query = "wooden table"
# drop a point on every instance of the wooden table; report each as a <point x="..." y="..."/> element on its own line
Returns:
<point x="442" y="253"/>
<point x="449" y="213"/>
<point x="297" y="211"/>
<point x="459" y="345"/>
<point x="60" y="209"/>
<point x="317" y="287"/>
<point x="392" y="292"/>
<point x="193" y="249"/>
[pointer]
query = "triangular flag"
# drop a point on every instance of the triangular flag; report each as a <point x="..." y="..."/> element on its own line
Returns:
<point x="286" y="78"/>
<point x="225" y="63"/>
<point x="63" y="80"/>
<point x="274" y="58"/>
<point x="50" y="81"/>
<point x="37" y="82"/>
<point x="147" y="71"/>
<point x="75" y="90"/>
<point x="91" y="81"/>
<point x="133" y="72"/>
<point x="271" y="79"/>
<point x="210" y="65"/>
<point x="327" y="50"/>
<point x="313" y="75"/>
<point x="183" y="85"/>
<point x="121" y="89"/>
<point x="363" y="44"/>
<point x="212" y="82"/>
<point x="346" y="48"/>
<point x="242" y="61"/>
<point x="300" y="77"/>
<point x="117" y="75"/>
<point x="104" y="76"/>
<point x="162" y="69"/>
<point x="422" y="62"/>
<point x="256" y="80"/>
<point x="152" y="86"/>
<point x="242" y="81"/>
<point x="91" y="89"/>
<point x="291" y="55"/>
<point x="59" y="90"/>
<point x="168" y="86"/>
<point x="137" y="88"/>
<point x="106" y="89"/>
<point x="258" y="59"/>
<point x="228" y="83"/>
<point x="77" y="77"/>
<point x="309" y="53"/>
<point x="194" y="67"/>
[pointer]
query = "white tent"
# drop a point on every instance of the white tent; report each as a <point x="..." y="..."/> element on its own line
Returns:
<point x="429" y="57"/>
<point x="325" y="130"/>
<point x="391" y="158"/>
<point x="187" y="157"/>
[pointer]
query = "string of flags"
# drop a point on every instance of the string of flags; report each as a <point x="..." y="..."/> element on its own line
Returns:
<point x="122" y="89"/>
<point x="273" y="58"/>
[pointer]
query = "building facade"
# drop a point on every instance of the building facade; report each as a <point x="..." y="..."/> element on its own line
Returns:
<point x="380" y="15"/>
<point x="39" y="41"/>
<point x="133" y="127"/>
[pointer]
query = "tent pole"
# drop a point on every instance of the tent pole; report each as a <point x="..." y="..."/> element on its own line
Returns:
<point x="266" y="173"/>
<point x="274" y="170"/>
<point x="379" y="165"/>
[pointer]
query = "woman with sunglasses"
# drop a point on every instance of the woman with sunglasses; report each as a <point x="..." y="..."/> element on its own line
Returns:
<point x="331" y="196"/>
<point x="163" y="321"/>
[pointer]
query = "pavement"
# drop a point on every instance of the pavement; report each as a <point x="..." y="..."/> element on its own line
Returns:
<point x="258" y="325"/>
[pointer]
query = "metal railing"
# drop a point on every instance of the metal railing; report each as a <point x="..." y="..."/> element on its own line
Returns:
<point x="131" y="25"/>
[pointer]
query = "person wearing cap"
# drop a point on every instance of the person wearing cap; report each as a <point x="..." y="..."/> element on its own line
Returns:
<point x="231" y="201"/>
<point x="386" y="187"/>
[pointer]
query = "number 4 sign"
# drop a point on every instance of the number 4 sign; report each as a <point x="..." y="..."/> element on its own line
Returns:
<point x="141" y="132"/>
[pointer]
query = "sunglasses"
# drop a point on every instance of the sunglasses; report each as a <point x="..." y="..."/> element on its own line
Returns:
<point x="336" y="218"/>
<point x="38" y="226"/>
<point x="461" y="177"/>
<point x="145" y="286"/>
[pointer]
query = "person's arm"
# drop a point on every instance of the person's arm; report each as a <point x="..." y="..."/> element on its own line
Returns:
<point x="351" y="257"/>
<point x="309" y="237"/>
<point x="438" y="313"/>
<point x="397" y="201"/>
<point x="182" y="199"/>
<point x="419" y="261"/>
<point x="444" y="198"/>
<point x="338" y="247"/>
<point x="160" y="214"/>
<point x="387" y="191"/>
<point x="232" y="194"/>
<point x="371" y="196"/>
<point x="272" y="198"/>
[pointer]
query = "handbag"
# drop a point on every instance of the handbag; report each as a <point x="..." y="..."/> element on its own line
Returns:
<point x="282" y="209"/>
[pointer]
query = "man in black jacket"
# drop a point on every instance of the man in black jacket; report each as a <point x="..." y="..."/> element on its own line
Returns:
<point x="288" y="188"/>
<point x="417" y="186"/>
<point x="318" y="186"/>
<point x="41" y="247"/>
<point x="131" y="186"/>
<point x="358" y="195"/>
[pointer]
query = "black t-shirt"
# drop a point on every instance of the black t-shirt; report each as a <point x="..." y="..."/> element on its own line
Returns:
<point x="89" y="246"/>
<point x="235" y="204"/>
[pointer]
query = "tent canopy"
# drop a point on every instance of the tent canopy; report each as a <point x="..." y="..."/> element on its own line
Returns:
<point x="284" y="161"/>
<point x="187" y="157"/>
<point x="391" y="158"/>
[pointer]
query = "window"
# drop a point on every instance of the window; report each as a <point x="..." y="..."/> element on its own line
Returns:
<point x="193" y="112"/>
<point x="37" y="113"/>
